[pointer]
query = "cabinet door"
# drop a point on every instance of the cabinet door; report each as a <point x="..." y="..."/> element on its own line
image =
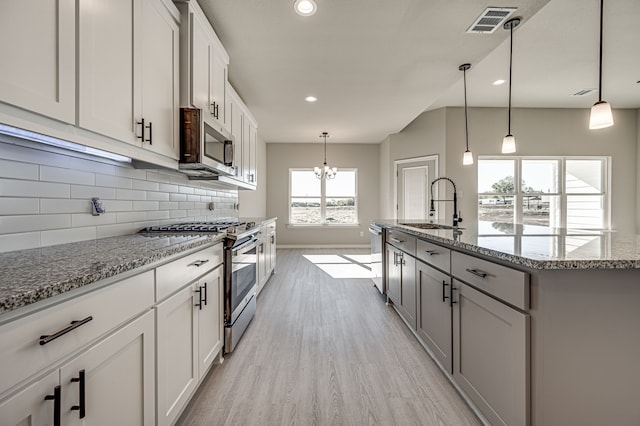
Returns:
<point x="253" y="154"/>
<point x="37" y="44"/>
<point x="236" y="131"/>
<point x="177" y="370"/>
<point x="393" y="275"/>
<point x="272" y="252"/>
<point x="160" y="96"/>
<point x="246" y="149"/>
<point x="29" y="406"/>
<point x="262" y="264"/>
<point x="408" y="289"/>
<point x="119" y="386"/>
<point x="491" y="347"/>
<point x="109" y="68"/>
<point x="434" y="312"/>
<point x="201" y="59"/>
<point x="218" y="87"/>
<point x="210" y="326"/>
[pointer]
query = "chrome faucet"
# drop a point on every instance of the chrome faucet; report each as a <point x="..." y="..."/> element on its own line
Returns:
<point x="457" y="217"/>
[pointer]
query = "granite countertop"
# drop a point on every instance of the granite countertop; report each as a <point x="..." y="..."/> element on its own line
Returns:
<point x="29" y="276"/>
<point x="536" y="247"/>
<point x="258" y="220"/>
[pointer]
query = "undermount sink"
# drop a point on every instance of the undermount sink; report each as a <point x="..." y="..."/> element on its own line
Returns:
<point x="423" y="225"/>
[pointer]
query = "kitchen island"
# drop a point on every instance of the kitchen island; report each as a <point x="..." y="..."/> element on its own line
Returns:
<point x="544" y="323"/>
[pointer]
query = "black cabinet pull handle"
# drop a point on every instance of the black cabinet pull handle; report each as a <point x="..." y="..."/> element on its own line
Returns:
<point x="199" y="263"/>
<point x="141" y="123"/>
<point x="81" y="407"/>
<point x="431" y="252"/>
<point x="395" y="240"/>
<point x="476" y="272"/>
<point x="451" y="299"/>
<point x="199" y="291"/>
<point x="56" y="397"/>
<point x="205" y="293"/>
<point x="273" y="239"/>
<point x="444" y="291"/>
<point x="150" y="127"/>
<point x="72" y="326"/>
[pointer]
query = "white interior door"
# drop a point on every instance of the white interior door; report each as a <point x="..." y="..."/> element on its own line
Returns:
<point x="414" y="193"/>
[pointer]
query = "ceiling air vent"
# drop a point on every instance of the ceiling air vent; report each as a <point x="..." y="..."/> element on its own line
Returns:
<point x="490" y="19"/>
<point x="583" y="92"/>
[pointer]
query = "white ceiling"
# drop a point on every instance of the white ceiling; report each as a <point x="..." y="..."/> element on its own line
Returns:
<point x="375" y="65"/>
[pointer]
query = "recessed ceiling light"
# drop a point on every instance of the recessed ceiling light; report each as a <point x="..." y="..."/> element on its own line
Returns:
<point x="310" y="99"/>
<point x="498" y="82"/>
<point x="305" y="7"/>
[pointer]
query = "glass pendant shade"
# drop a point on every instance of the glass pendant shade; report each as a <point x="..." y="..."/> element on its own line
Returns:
<point x="467" y="158"/>
<point x="601" y="116"/>
<point x="508" y="144"/>
<point x="325" y="172"/>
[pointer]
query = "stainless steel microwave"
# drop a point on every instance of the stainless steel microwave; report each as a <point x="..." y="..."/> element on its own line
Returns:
<point x="205" y="151"/>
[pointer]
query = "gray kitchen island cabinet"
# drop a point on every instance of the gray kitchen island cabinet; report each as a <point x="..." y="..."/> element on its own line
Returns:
<point x="401" y="283"/>
<point x="545" y="322"/>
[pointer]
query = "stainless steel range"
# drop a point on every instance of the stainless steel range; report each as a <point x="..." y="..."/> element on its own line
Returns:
<point x="240" y="263"/>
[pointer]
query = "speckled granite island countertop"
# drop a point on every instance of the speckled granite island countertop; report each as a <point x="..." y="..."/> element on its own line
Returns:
<point x="30" y="276"/>
<point x="535" y="247"/>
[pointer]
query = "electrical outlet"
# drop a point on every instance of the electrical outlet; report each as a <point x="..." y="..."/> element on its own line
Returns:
<point x="361" y="233"/>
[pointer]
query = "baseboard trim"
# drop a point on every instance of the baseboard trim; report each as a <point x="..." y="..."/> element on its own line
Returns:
<point x="323" y="246"/>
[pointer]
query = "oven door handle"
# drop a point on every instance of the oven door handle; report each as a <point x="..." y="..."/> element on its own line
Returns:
<point x="244" y="247"/>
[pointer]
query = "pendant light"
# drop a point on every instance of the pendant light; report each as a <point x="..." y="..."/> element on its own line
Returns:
<point x="509" y="142"/>
<point x="600" y="111"/>
<point x="325" y="171"/>
<point x="467" y="158"/>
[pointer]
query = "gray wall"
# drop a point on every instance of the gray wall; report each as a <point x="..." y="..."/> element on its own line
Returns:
<point x="283" y="156"/>
<point x="538" y="132"/>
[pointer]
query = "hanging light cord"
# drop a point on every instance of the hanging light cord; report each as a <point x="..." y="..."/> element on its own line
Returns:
<point x="510" y="66"/>
<point x="466" y="120"/>
<point x="600" y="76"/>
<point x="324" y="135"/>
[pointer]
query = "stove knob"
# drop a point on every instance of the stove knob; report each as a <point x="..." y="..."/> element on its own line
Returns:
<point x="251" y="225"/>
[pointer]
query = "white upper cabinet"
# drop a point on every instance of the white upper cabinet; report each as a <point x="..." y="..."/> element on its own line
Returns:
<point x="204" y="67"/>
<point x="37" y="51"/>
<point x="128" y="73"/>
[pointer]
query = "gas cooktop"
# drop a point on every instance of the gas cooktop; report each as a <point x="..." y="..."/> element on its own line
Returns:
<point x="232" y="229"/>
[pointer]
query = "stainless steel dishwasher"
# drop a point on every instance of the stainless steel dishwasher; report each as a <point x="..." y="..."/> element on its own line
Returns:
<point x="377" y="256"/>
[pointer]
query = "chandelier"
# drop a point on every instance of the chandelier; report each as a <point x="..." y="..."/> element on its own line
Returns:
<point x="325" y="171"/>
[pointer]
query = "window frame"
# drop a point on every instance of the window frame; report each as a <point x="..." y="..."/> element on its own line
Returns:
<point x="323" y="201"/>
<point x="518" y="194"/>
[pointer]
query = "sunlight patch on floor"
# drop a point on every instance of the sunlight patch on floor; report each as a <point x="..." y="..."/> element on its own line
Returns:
<point x="343" y="266"/>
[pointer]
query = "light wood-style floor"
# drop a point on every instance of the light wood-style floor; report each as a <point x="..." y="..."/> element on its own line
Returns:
<point x="325" y="351"/>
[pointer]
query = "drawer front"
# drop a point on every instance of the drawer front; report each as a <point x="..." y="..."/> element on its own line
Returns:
<point x="175" y="275"/>
<point x="404" y="242"/>
<point x="22" y="354"/>
<point x="500" y="281"/>
<point x="434" y="255"/>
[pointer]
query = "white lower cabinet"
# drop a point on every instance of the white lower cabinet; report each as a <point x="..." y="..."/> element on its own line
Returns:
<point x="112" y="382"/>
<point x="434" y="312"/>
<point x="491" y="353"/>
<point x="189" y="337"/>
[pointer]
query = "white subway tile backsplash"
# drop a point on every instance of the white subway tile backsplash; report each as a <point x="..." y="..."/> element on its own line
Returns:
<point x="145" y="205"/>
<point x="169" y="205"/>
<point x="165" y="187"/>
<point x="130" y="194"/>
<point x="71" y="235"/>
<point x="157" y="196"/>
<point x="19" y="206"/>
<point x="21" y="241"/>
<point x="113" y="181"/>
<point x="45" y="198"/>
<point x="28" y="223"/>
<point x="88" y="192"/>
<point x="81" y="220"/>
<point x="27" y="188"/>
<point x="61" y="205"/>
<point x="57" y="174"/>
<point x="127" y="217"/>
<point x="15" y="170"/>
<point x="145" y="185"/>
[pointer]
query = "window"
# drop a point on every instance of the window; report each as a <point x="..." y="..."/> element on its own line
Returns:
<point x="314" y="201"/>
<point x="548" y="191"/>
